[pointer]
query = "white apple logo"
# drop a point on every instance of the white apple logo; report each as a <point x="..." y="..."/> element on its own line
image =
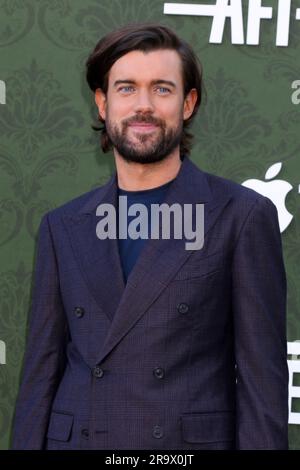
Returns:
<point x="276" y="190"/>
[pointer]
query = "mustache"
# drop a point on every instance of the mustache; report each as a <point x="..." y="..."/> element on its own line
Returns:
<point x="143" y="119"/>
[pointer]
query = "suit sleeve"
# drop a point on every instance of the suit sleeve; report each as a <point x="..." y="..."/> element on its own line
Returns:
<point x="259" y="309"/>
<point x="44" y="359"/>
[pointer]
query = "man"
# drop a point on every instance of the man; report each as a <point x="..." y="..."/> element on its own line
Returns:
<point x="140" y="343"/>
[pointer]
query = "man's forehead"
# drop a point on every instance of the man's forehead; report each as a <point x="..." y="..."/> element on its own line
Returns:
<point x="158" y="64"/>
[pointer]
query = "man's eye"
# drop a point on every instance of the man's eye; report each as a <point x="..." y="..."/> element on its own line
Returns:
<point x="126" y="89"/>
<point x="163" y="90"/>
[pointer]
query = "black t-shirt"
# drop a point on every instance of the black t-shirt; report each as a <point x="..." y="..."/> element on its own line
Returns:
<point x="129" y="248"/>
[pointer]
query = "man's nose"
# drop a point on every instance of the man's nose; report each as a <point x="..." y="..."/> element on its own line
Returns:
<point x="143" y="102"/>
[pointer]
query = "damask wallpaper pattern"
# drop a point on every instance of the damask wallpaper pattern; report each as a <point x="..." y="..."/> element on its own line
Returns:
<point x="49" y="154"/>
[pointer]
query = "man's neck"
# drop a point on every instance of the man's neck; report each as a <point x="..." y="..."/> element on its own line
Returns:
<point x="137" y="176"/>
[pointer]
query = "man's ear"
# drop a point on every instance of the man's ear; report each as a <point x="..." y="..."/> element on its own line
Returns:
<point x="100" y="100"/>
<point x="189" y="103"/>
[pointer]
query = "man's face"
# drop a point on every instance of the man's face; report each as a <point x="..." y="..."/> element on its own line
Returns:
<point x="144" y="107"/>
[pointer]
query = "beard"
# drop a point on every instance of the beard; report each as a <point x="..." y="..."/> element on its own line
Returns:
<point x="146" y="148"/>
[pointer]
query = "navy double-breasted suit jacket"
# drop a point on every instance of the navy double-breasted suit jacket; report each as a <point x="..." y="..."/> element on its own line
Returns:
<point x="189" y="354"/>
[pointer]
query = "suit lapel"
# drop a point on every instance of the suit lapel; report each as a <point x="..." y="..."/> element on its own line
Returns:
<point x="99" y="260"/>
<point x="161" y="259"/>
<point x="157" y="264"/>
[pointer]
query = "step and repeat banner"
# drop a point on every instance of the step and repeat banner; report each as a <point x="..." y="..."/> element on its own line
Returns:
<point x="247" y="130"/>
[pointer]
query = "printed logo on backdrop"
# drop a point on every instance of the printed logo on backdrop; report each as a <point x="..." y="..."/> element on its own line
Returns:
<point x="233" y="11"/>
<point x="294" y="390"/>
<point x="276" y="190"/>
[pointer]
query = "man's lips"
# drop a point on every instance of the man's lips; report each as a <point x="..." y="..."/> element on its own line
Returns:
<point x="143" y="126"/>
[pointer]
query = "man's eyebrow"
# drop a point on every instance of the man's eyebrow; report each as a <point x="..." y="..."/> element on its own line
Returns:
<point x="154" y="82"/>
<point x="166" y="82"/>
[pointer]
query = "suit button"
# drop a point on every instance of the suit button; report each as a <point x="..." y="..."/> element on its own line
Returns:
<point x="98" y="372"/>
<point x="85" y="433"/>
<point x="159" y="372"/>
<point x="79" y="312"/>
<point x="182" y="308"/>
<point x="157" y="432"/>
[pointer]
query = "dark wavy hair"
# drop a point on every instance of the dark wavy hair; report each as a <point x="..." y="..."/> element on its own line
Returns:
<point x="144" y="37"/>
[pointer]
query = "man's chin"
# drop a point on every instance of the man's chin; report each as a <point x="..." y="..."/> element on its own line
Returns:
<point x="141" y="140"/>
<point x="143" y="158"/>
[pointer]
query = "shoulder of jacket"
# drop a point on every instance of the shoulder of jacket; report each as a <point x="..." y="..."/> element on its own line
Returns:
<point x="72" y="206"/>
<point x="239" y="194"/>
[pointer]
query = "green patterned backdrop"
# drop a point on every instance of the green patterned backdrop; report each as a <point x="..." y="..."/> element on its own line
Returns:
<point x="49" y="154"/>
